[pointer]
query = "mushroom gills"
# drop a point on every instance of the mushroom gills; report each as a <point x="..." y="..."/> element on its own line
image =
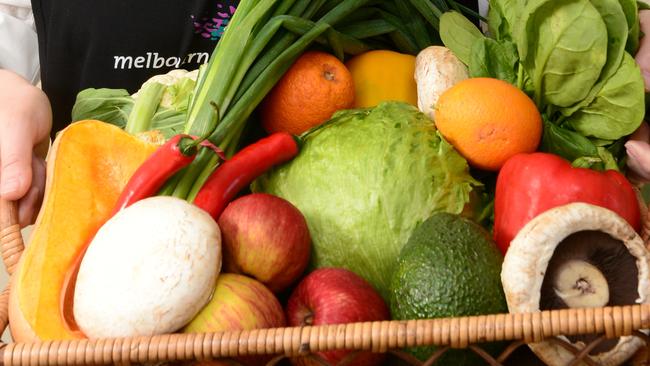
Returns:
<point x="590" y="269"/>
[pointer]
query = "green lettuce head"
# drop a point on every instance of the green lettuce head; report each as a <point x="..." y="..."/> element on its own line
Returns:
<point x="364" y="180"/>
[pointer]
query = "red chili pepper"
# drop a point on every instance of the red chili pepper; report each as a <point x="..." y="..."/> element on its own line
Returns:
<point x="152" y="174"/>
<point x="529" y="184"/>
<point x="240" y="170"/>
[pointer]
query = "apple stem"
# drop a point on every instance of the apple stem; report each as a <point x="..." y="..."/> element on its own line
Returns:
<point x="309" y="319"/>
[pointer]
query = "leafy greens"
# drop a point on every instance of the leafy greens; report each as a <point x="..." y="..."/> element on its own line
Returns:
<point x="573" y="59"/>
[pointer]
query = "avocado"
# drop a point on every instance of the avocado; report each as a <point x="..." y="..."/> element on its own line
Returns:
<point x="450" y="267"/>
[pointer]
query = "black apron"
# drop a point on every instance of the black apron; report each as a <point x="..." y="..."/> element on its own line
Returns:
<point x="120" y="43"/>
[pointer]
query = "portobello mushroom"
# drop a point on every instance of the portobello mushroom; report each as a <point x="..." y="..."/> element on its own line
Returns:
<point x="576" y="256"/>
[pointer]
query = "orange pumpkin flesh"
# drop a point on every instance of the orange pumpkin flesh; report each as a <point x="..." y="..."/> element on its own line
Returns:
<point x="89" y="164"/>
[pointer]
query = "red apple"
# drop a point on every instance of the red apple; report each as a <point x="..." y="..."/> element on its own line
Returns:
<point x="238" y="303"/>
<point x="265" y="237"/>
<point x="335" y="296"/>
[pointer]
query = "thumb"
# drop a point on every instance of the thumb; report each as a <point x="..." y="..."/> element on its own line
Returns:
<point x="638" y="153"/>
<point x="15" y="163"/>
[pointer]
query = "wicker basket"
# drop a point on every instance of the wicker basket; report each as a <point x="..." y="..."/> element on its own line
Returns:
<point x="384" y="336"/>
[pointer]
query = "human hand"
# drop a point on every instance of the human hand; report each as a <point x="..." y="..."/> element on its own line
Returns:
<point x="25" y="123"/>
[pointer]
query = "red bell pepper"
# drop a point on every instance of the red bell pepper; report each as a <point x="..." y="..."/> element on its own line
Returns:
<point x="529" y="184"/>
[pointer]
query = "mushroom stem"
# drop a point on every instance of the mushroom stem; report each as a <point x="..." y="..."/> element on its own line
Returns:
<point x="581" y="284"/>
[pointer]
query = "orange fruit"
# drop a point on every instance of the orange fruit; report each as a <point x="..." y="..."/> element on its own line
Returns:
<point x="316" y="86"/>
<point x="488" y="121"/>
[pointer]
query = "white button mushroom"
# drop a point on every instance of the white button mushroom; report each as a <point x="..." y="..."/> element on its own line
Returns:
<point x="149" y="270"/>
<point x="436" y="70"/>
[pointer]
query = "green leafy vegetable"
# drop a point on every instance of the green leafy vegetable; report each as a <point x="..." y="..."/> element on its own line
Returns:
<point x="503" y="15"/>
<point x="570" y="58"/>
<point x="459" y="34"/>
<point x="617" y="32"/>
<point x="108" y="105"/>
<point x="566" y="143"/>
<point x="387" y="169"/>
<point x="563" y="46"/>
<point x="618" y="108"/>
<point x="144" y="108"/>
<point x="631" y="10"/>
<point x="160" y="104"/>
<point x="494" y="59"/>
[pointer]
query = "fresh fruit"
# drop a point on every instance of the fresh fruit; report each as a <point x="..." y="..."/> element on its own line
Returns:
<point x="335" y="296"/>
<point x="89" y="164"/>
<point x="160" y="256"/>
<point x="383" y="75"/>
<point x="449" y="267"/>
<point x="267" y="238"/>
<point x="238" y="303"/>
<point x="316" y="86"/>
<point x="577" y="256"/>
<point x="365" y="180"/>
<point x="488" y="121"/>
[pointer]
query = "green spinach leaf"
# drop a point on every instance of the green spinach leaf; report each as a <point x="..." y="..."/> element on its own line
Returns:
<point x="566" y="143"/>
<point x="563" y="46"/>
<point x="458" y="34"/>
<point x="618" y="108"/>
<point x="502" y="17"/>
<point x="617" y="32"/>
<point x="494" y="59"/>
<point x="631" y="10"/>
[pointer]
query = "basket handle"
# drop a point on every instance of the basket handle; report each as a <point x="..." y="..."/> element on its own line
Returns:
<point x="11" y="239"/>
<point x="11" y="247"/>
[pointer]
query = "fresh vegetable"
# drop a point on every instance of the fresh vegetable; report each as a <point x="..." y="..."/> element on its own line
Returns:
<point x="383" y="75"/>
<point x="243" y="68"/>
<point x="262" y="40"/>
<point x="529" y="184"/>
<point x="436" y="70"/>
<point x="364" y="180"/>
<point x="577" y="256"/>
<point x="89" y="164"/>
<point x="148" y="270"/>
<point x="459" y="34"/>
<point x="449" y="267"/>
<point x="239" y="171"/>
<point x="571" y="59"/>
<point x="161" y="103"/>
<point x="152" y="174"/>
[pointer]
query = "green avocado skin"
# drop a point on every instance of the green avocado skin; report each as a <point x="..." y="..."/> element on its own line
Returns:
<point x="449" y="267"/>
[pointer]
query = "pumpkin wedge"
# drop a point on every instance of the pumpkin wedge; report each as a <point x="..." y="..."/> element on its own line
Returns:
<point x="89" y="164"/>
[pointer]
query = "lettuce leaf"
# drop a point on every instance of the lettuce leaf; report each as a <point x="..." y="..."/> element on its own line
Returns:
<point x="365" y="179"/>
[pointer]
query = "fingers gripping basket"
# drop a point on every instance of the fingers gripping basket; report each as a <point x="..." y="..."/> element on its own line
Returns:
<point x="385" y="336"/>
